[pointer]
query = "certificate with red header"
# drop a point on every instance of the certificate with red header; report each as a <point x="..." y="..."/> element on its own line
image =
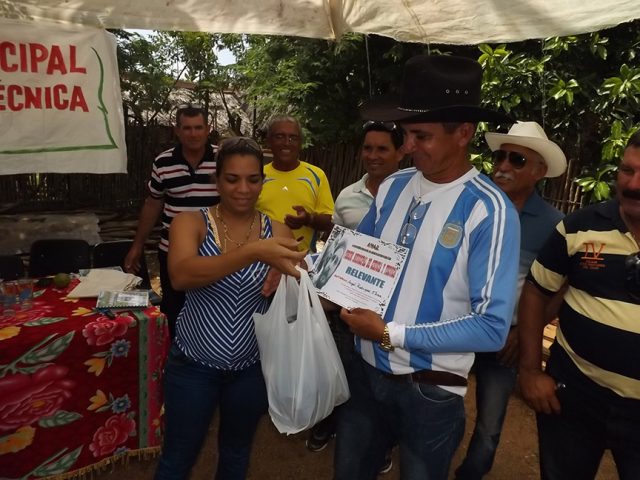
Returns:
<point x="357" y="270"/>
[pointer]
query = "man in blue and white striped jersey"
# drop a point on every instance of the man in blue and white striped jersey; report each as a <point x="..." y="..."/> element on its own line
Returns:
<point x="457" y="290"/>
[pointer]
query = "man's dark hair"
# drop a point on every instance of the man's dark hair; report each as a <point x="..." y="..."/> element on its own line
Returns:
<point x="238" y="146"/>
<point x="634" y="140"/>
<point x="190" y="111"/>
<point x="393" y="129"/>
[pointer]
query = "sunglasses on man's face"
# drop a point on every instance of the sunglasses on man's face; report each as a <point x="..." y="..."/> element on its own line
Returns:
<point x="516" y="160"/>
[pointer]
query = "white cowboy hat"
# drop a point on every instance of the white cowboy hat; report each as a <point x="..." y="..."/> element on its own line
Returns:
<point x="531" y="135"/>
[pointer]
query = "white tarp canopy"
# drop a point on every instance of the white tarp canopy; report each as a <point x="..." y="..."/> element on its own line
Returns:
<point x="436" y="21"/>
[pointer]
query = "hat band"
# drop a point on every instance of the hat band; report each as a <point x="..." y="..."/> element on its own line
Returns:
<point x="419" y="110"/>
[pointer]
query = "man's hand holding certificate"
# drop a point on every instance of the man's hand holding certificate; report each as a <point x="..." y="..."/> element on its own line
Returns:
<point x="356" y="270"/>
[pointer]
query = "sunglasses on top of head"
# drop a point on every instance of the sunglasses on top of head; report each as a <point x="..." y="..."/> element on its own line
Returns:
<point x="189" y="106"/>
<point x="240" y="142"/>
<point x="516" y="159"/>
<point x="190" y="110"/>
<point x="388" y="126"/>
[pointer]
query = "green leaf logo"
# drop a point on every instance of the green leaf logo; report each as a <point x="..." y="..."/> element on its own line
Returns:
<point x="59" y="466"/>
<point x="61" y="417"/>
<point x="49" y="352"/>
<point x="44" y="321"/>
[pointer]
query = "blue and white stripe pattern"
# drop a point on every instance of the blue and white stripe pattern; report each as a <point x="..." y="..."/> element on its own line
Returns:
<point x="215" y="327"/>
<point x="458" y="287"/>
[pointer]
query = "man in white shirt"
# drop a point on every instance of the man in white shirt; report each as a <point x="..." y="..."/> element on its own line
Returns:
<point x="381" y="154"/>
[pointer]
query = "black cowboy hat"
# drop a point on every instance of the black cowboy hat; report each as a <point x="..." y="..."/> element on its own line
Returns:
<point x="435" y="88"/>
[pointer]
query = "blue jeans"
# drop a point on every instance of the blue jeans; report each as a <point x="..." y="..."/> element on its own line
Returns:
<point x="592" y="420"/>
<point x="494" y="384"/>
<point x="192" y="392"/>
<point x="426" y="421"/>
<point x="343" y="337"/>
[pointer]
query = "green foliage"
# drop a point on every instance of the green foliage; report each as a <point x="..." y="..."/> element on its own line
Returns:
<point x="584" y="89"/>
<point x="196" y="59"/>
<point x="482" y="163"/>
<point x="315" y="80"/>
<point x="321" y="82"/>
<point x="564" y="91"/>
<point x="510" y="78"/>
<point x="597" y="184"/>
<point x="596" y="187"/>
<point x="145" y="76"/>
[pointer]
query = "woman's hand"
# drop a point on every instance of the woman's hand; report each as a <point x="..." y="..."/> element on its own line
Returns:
<point x="281" y="253"/>
<point x="271" y="282"/>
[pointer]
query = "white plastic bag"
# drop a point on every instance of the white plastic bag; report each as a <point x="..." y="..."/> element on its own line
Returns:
<point x="301" y="366"/>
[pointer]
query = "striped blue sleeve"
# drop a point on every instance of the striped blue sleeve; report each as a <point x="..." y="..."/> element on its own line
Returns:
<point x="368" y="223"/>
<point x="494" y="247"/>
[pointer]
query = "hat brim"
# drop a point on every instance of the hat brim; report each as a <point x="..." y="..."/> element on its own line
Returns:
<point x="386" y="109"/>
<point x="551" y="153"/>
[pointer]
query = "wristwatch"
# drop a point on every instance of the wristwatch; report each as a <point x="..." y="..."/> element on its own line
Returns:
<point x="385" y="343"/>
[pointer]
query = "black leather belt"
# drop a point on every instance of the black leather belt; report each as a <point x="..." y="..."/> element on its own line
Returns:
<point x="430" y="377"/>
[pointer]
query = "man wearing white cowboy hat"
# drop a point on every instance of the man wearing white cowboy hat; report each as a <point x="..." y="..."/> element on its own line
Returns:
<point x="521" y="158"/>
<point x="456" y="292"/>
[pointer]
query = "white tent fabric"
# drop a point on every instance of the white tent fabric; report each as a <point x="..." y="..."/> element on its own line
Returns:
<point x="437" y="21"/>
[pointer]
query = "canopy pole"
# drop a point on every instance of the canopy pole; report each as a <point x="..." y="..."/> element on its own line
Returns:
<point x="543" y="99"/>
<point x="366" y="47"/>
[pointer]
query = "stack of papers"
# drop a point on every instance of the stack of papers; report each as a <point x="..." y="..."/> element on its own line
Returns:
<point x="123" y="300"/>
<point x="99" y="279"/>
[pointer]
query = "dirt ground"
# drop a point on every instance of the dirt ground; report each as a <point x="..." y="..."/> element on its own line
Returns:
<point x="280" y="457"/>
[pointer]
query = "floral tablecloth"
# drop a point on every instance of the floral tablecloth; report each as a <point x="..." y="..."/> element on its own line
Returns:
<point x="78" y="389"/>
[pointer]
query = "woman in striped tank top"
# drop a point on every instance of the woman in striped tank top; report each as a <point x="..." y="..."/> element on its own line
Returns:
<point x="222" y="257"/>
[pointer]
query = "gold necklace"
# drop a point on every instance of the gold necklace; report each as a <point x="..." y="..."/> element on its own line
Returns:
<point x="225" y="228"/>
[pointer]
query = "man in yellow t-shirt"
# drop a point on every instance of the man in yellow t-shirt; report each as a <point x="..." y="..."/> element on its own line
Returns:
<point x="294" y="192"/>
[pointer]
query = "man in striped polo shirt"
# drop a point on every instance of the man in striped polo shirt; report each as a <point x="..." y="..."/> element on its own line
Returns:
<point x="456" y="293"/>
<point x="588" y="400"/>
<point x="181" y="179"/>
